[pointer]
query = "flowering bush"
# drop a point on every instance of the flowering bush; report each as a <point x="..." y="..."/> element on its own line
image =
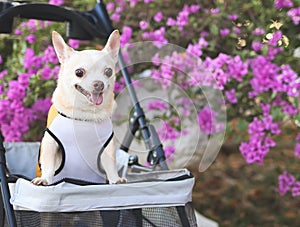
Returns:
<point x="249" y="51"/>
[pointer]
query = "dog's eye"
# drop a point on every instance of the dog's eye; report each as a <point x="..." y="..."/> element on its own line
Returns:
<point x="79" y="72"/>
<point x="108" y="72"/>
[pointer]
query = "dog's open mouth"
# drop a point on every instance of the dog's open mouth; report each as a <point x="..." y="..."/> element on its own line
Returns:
<point x="94" y="97"/>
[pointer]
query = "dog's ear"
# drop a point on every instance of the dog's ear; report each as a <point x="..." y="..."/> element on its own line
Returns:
<point x="113" y="45"/>
<point x="63" y="51"/>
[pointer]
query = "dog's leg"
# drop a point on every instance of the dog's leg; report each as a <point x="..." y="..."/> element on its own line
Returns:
<point x="108" y="162"/>
<point x="49" y="149"/>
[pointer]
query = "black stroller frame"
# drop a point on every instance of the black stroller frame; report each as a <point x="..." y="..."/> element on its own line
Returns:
<point x="84" y="25"/>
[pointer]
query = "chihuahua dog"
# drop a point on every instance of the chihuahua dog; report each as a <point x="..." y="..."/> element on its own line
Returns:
<point x="78" y="142"/>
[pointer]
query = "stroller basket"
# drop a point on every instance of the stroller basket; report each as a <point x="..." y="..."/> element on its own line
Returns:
<point x="158" y="198"/>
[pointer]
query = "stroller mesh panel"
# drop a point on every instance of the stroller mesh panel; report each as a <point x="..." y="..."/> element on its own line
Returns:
<point x="166" y="216"/>
<point x="148" y="217"/>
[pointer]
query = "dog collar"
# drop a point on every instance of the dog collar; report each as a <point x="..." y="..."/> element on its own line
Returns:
<point x="77" y="119"/>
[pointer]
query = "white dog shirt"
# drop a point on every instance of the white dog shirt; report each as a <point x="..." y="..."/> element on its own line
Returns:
<point x="81" y="144"/>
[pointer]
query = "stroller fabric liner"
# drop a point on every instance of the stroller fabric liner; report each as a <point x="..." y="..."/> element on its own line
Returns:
<point x="68" y="197"/>
<point x="21" y="158"/>
<point x="158" y="198"/>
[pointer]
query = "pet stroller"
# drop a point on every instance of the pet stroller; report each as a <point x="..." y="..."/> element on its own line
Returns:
<point x="153" y="196"/>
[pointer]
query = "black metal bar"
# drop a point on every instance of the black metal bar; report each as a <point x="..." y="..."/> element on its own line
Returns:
<point x="140" y="115"/>
<point x="156" y="155"/>
<point x="102" y="17"/>
<point x="4" y="186"/>
<point x="2" y="211"/>
<point x="183" y="217"/>
<point x="129" y="135"/>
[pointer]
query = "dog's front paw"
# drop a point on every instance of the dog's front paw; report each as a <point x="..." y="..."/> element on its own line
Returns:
<point x="40" y="181"/>
<point x="118" y="181"/>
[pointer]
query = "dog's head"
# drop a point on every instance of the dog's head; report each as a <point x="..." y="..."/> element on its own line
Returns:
<point x="86" y="78"/>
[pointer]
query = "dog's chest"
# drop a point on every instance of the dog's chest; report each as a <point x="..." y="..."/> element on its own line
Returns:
<point x="81" y="133"/>
<point x="80" y="143"/>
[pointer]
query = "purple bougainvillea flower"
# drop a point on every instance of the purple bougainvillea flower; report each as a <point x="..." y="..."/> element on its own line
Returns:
<point x="237" y="69"/>
<point x="194" y="50"/>
<point x="276" y="37"/>
<point x="167" y="132"/>
<point x="265" y="109"/>
<point x="23" y="80"/>
<point x="56" y="2"/>
<point x="132" y="3"/>
<point x="30" y="38"/>
<point x="297" y="150"/>
<point x="126" y="35"/>
<point x="285" y="181"/>
<point x="256" y="127"/>
<point x="269" y="142"/>
<point x="294" y="14"/>
<point x="236" y="30"/>
<point x="215" y="10"/>
<point x="31" y="25"/>
<point x="254" y="151"/>
<point x="158" y="17"/>
<point x="258" y="31"/>
<point x="40" y="108"/>
<point x="110" y="6"/>
<point x="171" y="22"/>
<point x="232" y="16"/>
<point x="169" y="151"/>
<point x="28" y="58"/>
<point x="194" y="8"/>
<point x="18" y="32"/>
<point x="115" y="17"/>
<point x="296" y="189"/>
<point x="182" y="19"/>
<point x="279" y="4"/>
<point x="3" y="73"/>
<point x="157" y="105"/>
<point x="74" y="43"/>
<point x="50" y="55"/>
<point x="298" y="137"/>
<point x="257" y="46"/>
<point x="46" y="73"/>
<point x="143" y="25"/>
<point x="231" y="97"/>
<point x="224" y="32"/>
<point x="207" y="121"/>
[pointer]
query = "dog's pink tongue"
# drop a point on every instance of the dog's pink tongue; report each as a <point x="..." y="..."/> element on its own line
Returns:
<point x="96" y="98"/>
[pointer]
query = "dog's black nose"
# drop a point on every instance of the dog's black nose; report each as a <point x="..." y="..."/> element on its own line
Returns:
<point x="98" y="85"/>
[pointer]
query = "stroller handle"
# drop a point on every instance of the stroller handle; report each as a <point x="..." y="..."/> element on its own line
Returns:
<point x="84" y="25"/>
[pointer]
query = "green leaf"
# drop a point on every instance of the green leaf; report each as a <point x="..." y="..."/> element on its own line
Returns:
<point x="296" y="102"/>
<point x="242" y="125"/>
<point x="297" y="117"/>
<point x="229" y="129"/>
<point x="238" y="138"/>
<point x="277" y="114"/>
<point x="214" y="29"/>
<point x="273" y="96"/>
